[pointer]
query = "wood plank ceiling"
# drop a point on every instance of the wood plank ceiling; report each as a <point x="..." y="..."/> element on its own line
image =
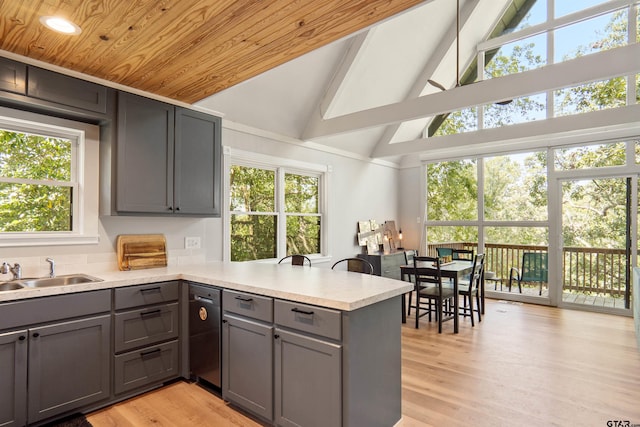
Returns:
<point x="183" y="49"/>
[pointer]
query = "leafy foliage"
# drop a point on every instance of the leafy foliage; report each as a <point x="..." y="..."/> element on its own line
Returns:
<point x="254" y="223"/>
<point x="33" y="170"/>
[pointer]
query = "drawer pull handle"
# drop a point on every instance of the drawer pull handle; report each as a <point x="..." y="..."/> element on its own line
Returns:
<point x="244" y="299"/>
<point x="151" y="313"/>
<point x="156" y="289"/>
<point x="297" y="310"/>
<point x="146" y="354"/>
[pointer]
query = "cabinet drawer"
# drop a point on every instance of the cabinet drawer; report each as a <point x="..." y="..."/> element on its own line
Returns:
<point x="18" y="314"/>
<point x="308" y="318"/>
<point x="146" y="326"/>
<point x="146" y="366"/>
<point x="153" y="293"/>
<point x="249" y="305"/>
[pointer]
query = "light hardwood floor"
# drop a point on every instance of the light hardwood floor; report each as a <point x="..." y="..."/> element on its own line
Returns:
<point x="524" y="365"/>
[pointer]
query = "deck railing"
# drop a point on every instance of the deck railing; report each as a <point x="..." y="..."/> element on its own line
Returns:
<point x="593" y="270"/>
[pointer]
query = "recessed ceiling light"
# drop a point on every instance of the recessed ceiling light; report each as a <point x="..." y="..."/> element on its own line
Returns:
<point x="60" y="25"/>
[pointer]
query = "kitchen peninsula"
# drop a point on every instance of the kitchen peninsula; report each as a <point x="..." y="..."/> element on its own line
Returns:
<point x="350" y="321"/>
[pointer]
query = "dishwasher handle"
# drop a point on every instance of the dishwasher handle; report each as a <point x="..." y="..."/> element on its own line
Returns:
<point x="203" y="299"/>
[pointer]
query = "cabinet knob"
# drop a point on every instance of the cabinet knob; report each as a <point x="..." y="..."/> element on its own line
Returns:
<point x="170" y="208"/>
<point x="276" y="336"/>
<point x="178" y="208"/>
<point x="22" y="338"/>
<point x="224" y="321"/>
<point x="36" y="334"/>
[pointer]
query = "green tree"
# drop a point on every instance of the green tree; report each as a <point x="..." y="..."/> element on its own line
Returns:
<point x="32" y="169"/>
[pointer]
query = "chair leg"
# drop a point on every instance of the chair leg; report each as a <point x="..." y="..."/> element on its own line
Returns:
<point x="409" y="306"/>
<point x="478" y="304"/>
<point x="471" y="309"/>
<point x="439" y="314"/>
<point x="418" y="308"/>
<point x="520" y="285"/>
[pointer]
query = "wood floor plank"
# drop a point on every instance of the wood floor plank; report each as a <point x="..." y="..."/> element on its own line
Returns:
<point x="523" y="365"/>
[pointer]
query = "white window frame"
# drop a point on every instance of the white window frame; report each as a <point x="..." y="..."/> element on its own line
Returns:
<point x="84" y="178"/>
<point x="235" y="157"/>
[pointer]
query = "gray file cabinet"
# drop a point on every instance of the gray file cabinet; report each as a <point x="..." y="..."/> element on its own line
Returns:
<point x="52" y="360"/>
<point x="146" y="328"/>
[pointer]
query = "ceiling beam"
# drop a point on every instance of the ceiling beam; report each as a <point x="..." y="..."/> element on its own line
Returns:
<point x="446" y="42"/>
<point x="325" y="107"/>
<point x="537" y="134"/>
<point x="598" y="66"/>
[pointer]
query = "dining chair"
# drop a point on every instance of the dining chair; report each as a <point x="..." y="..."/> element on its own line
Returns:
<point x="357" y="265"/>
<point x="535" y="268"/>
<point x="297" y="259"/>
<point x="428" y="285"/>
<point x="470" y="287"/>
<point x="462" y="254"/>
<point x="443" y="252"/>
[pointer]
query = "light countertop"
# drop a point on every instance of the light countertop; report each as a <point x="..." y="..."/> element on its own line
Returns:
<point x="323" y="287"/>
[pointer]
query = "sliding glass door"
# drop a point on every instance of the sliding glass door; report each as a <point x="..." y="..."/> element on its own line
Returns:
<point x="596" y="245"/>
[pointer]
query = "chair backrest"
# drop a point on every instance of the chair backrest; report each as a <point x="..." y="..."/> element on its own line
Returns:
<point x="443" y="252"/>
<point x="427" y="271"/>
<point x="462" y="254"/>
<point x="357" y="265"/>
<point x="409" y="255"/>
<point x="535" y="267"/>
<point x="475" y="278"/>
<point x="297" y="259"/>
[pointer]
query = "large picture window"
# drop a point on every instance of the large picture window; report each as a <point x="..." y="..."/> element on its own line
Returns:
<point x="274" y="211"/>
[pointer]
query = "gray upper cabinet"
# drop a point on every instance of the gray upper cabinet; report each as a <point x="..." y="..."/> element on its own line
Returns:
<point x="65" y="90"/>
<point x="13" y="77"/>
<point x="13" y="379"/>
<point x="197" y="163"/>
<point x="168" y="159"/>
<point x="144" y="155"/>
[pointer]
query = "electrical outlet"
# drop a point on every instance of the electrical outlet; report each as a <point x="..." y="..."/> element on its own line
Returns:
<point x="192" y="243"/>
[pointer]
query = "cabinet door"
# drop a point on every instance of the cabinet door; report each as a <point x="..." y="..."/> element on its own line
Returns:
<point x="144" y="167"/>
<point x="247" y="365"/>
<point x="390" y="265"/>
<point x="308" y="381"/>
<point x="68" y="366"/>
<point x="13" y="379"/>
<point x="13" y="78"/>
<point x="197" y="163"/>
<point x="66" y="90"/>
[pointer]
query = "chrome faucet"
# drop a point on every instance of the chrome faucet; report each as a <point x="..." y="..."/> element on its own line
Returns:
<point x="52" y="267"/>
<point x="16" y="270"/>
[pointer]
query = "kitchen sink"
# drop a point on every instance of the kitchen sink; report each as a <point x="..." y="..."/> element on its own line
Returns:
<point x="69" y="279"/>
<point x="10" y="286"/>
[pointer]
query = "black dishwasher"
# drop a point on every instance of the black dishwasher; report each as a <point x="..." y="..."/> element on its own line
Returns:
<point x="204" y="334"/>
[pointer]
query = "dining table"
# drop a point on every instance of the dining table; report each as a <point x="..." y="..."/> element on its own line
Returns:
<point x="454" y="270"/>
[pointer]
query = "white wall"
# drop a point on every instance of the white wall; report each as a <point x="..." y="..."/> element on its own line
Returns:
<point x="411" y="186"/>
<point x="359" y="190"/>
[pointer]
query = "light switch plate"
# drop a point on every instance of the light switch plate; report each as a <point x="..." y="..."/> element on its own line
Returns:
<point x="192" y="243"/>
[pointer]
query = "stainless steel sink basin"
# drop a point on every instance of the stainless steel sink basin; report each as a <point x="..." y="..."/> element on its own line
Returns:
<point x="10" y="286"/>
<point x="69" y="279"/>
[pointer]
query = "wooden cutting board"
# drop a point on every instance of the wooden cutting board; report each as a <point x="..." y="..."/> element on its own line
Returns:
<point x="138" y="251"/>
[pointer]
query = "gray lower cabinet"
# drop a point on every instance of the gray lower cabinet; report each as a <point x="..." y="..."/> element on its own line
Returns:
<point x="68" y="366"/>
<point x="247" y="364"/>
<point x="52" y="356"/>
<point x="146" y="336"/>
<point x="308" y="381"/>
<point x="13" y="378"/>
